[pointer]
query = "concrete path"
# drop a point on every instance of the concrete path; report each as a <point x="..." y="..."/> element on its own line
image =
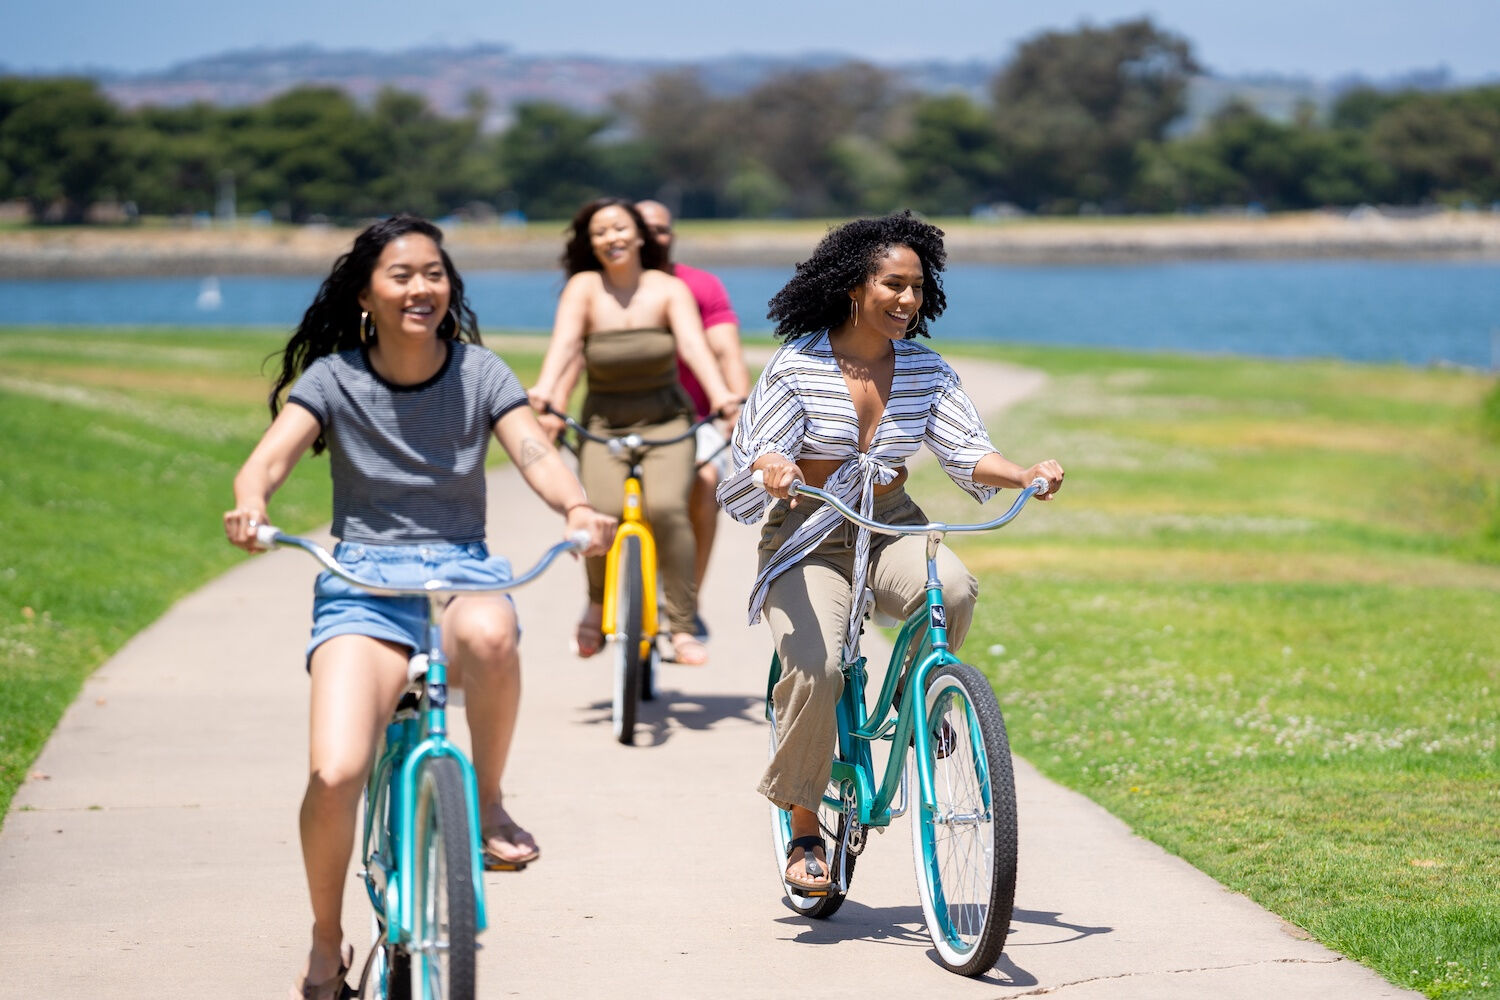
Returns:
<point x="154" y="851"/>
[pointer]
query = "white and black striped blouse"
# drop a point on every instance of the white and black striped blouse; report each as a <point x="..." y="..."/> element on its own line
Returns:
<point x="801" y="408"/>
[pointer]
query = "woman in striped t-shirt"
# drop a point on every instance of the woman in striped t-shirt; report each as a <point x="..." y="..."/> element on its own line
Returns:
<point x="386" y="371"/>
<point x="842" y="406"/>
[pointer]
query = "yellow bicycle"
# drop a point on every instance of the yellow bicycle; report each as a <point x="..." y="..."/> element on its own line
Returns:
<point x="630" y="623"/>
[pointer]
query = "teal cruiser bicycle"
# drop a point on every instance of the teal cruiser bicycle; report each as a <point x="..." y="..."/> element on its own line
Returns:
<point x="963" y="822"/>
<point x="422" y="859"/>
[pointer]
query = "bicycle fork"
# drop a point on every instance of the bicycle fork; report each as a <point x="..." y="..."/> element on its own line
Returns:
<point x="937" y="624"/>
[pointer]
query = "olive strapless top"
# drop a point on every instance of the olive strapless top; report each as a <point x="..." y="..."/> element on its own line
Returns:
<point x="632" y="378"/>
<point x="638" y="360"/>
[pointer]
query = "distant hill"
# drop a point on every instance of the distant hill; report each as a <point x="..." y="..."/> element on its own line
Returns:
<point x="447" y="77"/>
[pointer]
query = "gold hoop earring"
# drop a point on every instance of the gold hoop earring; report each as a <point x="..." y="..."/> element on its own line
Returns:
<point x="366" y="328"/>
<point x="854" y="312"/>
<point x="914" y="321"/>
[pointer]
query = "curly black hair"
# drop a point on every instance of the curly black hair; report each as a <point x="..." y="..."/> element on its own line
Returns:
<point x="578" y="255"/>
<point x="332" y="323"/>
<point x="817" y="297"/>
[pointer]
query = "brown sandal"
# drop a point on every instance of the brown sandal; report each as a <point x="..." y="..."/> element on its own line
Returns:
<point x="819" y="880"/>
<point x="510" y="832"/>
<point x="333" y="988"/>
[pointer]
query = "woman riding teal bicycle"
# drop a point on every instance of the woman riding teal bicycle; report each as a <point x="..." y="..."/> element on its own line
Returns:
<point x="386" y="372"/>
<point x="842" y="406"/>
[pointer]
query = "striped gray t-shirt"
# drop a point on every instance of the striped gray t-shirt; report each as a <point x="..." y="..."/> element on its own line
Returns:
<point x="408" y="460"/>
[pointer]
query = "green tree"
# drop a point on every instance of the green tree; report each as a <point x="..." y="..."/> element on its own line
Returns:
<point x="432" y="165"/>
<point x="811" y="131"/>
<point x="308" y="152"/>
<point x="951" y="160"/>
<point x="172" y="158"/>
<point x="681" y="132"/>
<point x="59" y="145"/>
<point x="1442" y="146"/>
<point x="551" y="159"/>
<point x="1072" y="108"/>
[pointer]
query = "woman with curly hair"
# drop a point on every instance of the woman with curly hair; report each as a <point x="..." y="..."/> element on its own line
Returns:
<point x="625" y="318"/>
<point x="842" y="406"/>
<point x="386" y="373"/>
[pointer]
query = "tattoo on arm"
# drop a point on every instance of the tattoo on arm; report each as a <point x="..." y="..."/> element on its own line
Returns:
<point x="532" y="452"/>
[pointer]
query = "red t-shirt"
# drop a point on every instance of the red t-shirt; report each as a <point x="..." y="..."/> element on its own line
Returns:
<point x="714" y="307"/>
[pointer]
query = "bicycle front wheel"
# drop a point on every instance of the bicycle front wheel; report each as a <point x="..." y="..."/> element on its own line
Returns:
<point x="964" y="842"/>
<point x="441" y="954"/>
<point x="627" y="639"/>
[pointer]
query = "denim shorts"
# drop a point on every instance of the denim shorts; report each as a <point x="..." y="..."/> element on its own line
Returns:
<point x="341" y="608"/>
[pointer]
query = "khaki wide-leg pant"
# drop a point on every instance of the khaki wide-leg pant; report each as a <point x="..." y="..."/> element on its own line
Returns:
<point x="808" y="607"/>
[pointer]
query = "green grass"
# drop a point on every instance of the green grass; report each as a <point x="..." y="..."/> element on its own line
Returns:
<point x="120" y="449"/>
<point x="1261" y="624"/>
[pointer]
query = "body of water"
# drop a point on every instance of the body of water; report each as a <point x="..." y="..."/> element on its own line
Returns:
<point x="1427" y="312"/>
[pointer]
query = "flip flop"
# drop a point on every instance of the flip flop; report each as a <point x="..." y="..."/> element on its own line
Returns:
<point x="333" y="988"/>
<point x="508" y="832"/>
<point x="819" y="880"/>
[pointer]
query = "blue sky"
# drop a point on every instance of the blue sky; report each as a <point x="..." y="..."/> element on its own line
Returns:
<point x="1318" y="38"/>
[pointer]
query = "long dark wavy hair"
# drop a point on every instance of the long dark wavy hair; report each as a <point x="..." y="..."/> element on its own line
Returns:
<point x="578" y="255"/>
<point x="332" y="323"/>
<point x="817" y="296"/>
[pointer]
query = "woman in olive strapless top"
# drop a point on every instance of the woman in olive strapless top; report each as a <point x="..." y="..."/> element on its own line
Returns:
<point x="626" y="320"/>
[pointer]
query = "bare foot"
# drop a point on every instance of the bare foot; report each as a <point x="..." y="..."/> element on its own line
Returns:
<point x="587" y="638"/>
<point x="688" y="650"/>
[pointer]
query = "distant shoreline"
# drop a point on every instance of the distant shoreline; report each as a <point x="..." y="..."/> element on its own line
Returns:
<point x="310" y="250"/>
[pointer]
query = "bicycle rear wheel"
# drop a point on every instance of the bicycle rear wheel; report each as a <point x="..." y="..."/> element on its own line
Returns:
<point x="441" y="954"/>
<point x="832" y="824"/>
<point x="964" y="844"/>
<point x="627" y="640"/>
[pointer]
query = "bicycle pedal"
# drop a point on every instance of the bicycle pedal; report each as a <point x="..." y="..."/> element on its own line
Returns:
<point x="492" y="864"/>
<point x="796" y="890"/>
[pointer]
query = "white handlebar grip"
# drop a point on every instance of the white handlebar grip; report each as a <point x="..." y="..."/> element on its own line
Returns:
<point x="266" y="534"/>
<point x="1040" y="483"/>
<point x="580" y="539"/>
<point x="758" y="478"/>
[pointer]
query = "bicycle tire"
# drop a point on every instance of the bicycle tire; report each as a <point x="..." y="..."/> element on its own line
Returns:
<point x="965" y="849"/>
<point x="832" y="823"/>
<point x="648" y="674"/>
<point x="441" y="955"/>
<point x="627" y="640"/>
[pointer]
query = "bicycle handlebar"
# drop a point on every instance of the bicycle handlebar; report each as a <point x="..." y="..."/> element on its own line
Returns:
<point x="1037" y="485"/>
<point x="270" y="536"/>
<point x="632" y="440"/>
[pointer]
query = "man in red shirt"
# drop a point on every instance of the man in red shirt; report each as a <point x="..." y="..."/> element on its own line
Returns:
<point x="722" y="328"/>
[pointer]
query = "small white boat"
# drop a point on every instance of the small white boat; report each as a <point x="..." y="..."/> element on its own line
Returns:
<point x="209" y="295"/>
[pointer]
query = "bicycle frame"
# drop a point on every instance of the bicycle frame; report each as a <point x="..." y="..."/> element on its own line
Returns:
<point x="633" y="524"/>
<point x="414" y="735"/>
<point x="853" y="771"/>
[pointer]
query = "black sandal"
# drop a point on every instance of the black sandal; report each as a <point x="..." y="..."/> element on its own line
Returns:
<point x="819" y="881"/>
